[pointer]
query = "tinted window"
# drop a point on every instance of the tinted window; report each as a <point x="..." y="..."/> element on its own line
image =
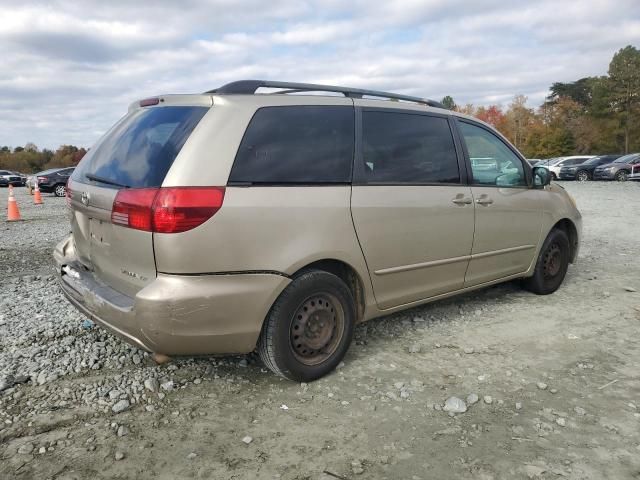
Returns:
<point x="492" y="162"/>
<point x="141" y="148"/>
<point x="301" y="144"/>
<point x="406" y="148"/>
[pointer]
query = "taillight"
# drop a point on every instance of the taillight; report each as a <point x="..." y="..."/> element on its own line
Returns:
<point x="166" y="210"/>
<point x="132" y="208"/>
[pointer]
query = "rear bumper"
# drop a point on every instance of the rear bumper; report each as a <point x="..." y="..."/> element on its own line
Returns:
<point x="175" y="314"/>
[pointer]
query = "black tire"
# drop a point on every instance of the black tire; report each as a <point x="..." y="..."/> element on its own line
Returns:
<point x="622" y="176"/>
<point x="583" y="176"/>
<point x="60" y="190"/>
<point x="316" y="307"/>
<point x="551" y="266"/>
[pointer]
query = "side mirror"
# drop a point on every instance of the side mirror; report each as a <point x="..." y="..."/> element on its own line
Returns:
<point x="541" y="177"/>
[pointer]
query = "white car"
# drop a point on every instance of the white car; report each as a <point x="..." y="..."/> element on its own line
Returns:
<point x="555" y="164"/>
<point x="635" y="173"/>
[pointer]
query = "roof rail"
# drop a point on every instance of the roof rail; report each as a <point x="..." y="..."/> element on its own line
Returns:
<point x="250" y="87"/>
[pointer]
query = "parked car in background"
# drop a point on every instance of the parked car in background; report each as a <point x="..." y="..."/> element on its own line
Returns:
<point x="584" y="171"/>
<point x="163" y="249"/>
<point x="4" y="182"/>
<point x="560" y="162"/>
<point x="619" y="169"/>
<point x="52" y="181"/>
<point x="12" y="178"/>
<point x="635" y="173"/>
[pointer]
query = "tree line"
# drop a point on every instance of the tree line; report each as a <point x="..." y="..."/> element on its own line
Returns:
<point x="592" y="115"/>
<point x="30" y="159"/>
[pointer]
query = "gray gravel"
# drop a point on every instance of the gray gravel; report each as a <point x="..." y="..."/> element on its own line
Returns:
<point x="74" y="398"/>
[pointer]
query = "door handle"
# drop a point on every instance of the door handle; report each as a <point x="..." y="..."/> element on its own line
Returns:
<point x="462" y="201"/>
<point x="484" y="201"/>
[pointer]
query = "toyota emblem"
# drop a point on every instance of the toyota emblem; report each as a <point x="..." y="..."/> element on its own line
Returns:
<point x="85" y="198"/>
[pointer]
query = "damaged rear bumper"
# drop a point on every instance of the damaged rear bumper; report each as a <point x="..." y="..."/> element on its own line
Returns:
<point x="175" y="314"/>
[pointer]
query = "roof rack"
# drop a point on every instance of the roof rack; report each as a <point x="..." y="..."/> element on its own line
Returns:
<point x="250" y="87"/>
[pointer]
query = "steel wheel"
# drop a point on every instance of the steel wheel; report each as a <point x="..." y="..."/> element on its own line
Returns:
<point x="316" y="329"/>
<point x="60" y="190"/>
<point x="582" y="176"/>
<point x="552" y="261"/>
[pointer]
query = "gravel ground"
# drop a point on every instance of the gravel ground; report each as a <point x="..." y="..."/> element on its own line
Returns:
<point x="498" y="384"/>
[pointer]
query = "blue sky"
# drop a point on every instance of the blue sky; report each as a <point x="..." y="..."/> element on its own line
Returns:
<point x="71" y="68"/>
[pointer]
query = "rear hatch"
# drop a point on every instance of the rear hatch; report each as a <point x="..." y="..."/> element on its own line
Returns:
<point x="135" y="155"/>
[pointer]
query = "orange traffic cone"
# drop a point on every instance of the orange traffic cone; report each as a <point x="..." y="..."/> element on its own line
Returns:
<point x="37" y="198"/>
<point x="13" y="213"/>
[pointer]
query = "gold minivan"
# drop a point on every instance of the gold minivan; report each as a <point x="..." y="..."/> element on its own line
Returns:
<point x="274" y="216"/>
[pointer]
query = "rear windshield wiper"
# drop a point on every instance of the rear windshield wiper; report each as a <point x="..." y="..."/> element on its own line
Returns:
<point x="96" y="178"/>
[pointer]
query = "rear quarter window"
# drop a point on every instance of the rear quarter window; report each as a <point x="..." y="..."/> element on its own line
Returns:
<point x="296" y="144"/>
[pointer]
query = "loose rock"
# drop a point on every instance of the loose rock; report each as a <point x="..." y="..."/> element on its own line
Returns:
<point x="455" y="405"/>
<point x="121" y="406"/>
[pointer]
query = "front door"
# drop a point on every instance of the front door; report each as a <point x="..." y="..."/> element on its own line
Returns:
<point x="508" y="211"/>
<point x="412" y="213"/>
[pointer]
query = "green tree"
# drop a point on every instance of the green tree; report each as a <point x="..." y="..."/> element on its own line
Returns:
<point x="448" y="102"/>
<point x="624" y="88"/>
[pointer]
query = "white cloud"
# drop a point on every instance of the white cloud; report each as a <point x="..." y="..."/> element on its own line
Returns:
<point x="71" y="68"/>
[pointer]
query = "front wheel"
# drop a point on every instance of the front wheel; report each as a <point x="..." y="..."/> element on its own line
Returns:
<point x="309" y="327"/>
<point x="622" y="176"/>
<point x="60" y="191"/>
<point x="551" y="266"/>
<point x="582" y="176"/>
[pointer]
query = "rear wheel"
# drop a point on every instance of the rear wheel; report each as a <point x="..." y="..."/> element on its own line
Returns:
<point x="60" y="190"/>
<point x="309" y="327"/>
<point x="582" y="176"/>
<point x="551" y="266"/>
<point x="622" y="176"/>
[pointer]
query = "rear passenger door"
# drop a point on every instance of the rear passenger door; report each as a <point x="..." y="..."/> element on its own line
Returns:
<point x="508" y="211"/>
<point x="412" y="212"/>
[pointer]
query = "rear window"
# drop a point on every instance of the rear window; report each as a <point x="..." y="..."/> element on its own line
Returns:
<point x="298" y="144"/>
<point x="141" y="148"/>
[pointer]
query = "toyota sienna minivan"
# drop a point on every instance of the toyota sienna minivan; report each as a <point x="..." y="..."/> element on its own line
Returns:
<point x="269" y="216"/>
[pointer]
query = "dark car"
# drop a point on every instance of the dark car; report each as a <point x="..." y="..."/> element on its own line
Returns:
<point x="584" y="171"/>
<point x="11" y="177"/>
<point x="619" y="170"/>
<point x="54" y="180"/>
<point x="4" y="182"/>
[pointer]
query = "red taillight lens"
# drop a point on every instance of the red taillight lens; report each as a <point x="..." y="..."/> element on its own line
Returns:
<point x="181" y="209"/>
<point x="132" y="208"/>
<point x="166" y="210"/>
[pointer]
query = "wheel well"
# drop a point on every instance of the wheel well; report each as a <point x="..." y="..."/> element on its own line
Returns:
<point x="570" y="229"/>
<point x="345" y="272"/>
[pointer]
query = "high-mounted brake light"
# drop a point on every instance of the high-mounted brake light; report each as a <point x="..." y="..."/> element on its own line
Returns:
<point x="147" y="102"/>
<point x="166" y="210"/>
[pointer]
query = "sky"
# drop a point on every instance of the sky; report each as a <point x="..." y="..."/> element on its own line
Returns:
<point x="71" y="68"/>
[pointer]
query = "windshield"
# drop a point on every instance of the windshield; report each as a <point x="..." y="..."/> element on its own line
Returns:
<point x="141" y="148"/>
<point x="594" y="161"/>
<point x="626" y="158"/>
